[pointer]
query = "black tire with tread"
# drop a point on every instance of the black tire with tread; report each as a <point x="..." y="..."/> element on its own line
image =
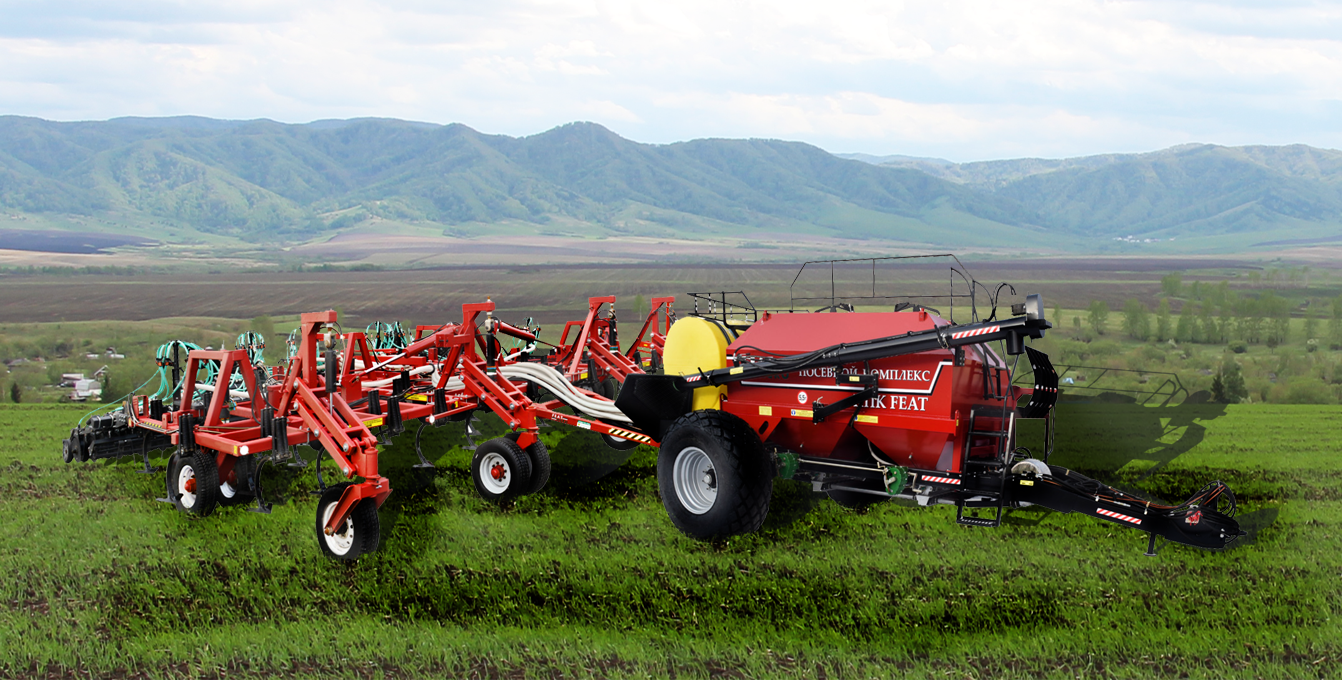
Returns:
<point x="519" y="464"/>
<point x="745" y="475"/>
<point x="243" y="468"/>
<point x="367" y="526"/>
<point x="539" y="457"/>
<point x="206" y="472"/>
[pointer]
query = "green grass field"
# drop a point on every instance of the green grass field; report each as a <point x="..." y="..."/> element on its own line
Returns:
<point x="589" y="578"/>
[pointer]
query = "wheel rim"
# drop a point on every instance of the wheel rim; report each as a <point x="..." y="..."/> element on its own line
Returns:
<point x="227" y="490"/>
<point x="342" y="541"/>
<point x="186" y="486"/>
<point x="696" y="480"/>
<point x="495" y="474"/>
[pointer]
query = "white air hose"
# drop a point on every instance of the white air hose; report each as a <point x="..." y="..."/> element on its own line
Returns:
<point x="232" y="394"/>
<point x="373" y="384"/>
<point x="553" y="380"/>
<point x="545" y="376"/>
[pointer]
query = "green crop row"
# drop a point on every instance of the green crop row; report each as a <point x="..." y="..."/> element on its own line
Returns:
<point x="589" y="578"/>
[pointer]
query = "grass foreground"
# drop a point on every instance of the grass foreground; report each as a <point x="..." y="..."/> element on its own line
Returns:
<point x="590" y="579"/>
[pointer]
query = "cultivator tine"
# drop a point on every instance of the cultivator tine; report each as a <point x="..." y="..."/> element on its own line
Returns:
<point x="262" y="506"/>
<point x="144" y="451"/>
<point x="424" y="463"/>
<point x="471" y="433"/>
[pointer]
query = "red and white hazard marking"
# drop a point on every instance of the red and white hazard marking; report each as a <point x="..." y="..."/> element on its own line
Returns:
<point x="939" y="480"/>
<point x="976" y="331"/>
<point x="1119" y="516"/>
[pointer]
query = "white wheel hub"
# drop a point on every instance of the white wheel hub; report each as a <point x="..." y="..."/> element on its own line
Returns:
<point x="695" y="480"/>
<point x="227" y="490"/>
<point x="495" y="474"/>
<point x="186" y="486"/>
<point x="342" y="541"/>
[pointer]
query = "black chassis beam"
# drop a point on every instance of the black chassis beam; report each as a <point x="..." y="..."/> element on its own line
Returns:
<point x="97" y="443"/>
<point x="1193" y="525"/>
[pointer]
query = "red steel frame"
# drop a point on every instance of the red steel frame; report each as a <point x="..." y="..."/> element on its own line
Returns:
<point x="310" y="410"/>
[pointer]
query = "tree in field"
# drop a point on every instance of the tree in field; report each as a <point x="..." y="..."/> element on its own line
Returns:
<point x="265" y="326"/>
<point x="1311" y="322"/>
<point x="1278" y="312"/>
<point x="1207" y="325"/>
<point x="1228" y="385"/>
<point x="1097" y="314"/>
<point x="1136" y="319"/>
<point x="1335" y="325"/>
<point x="1184" y="332"/>
<point x="1172" y="285"/>
<point x="1163" y="321"/>
<point x="15" y="393"/>
<point x="1225" y="325"/>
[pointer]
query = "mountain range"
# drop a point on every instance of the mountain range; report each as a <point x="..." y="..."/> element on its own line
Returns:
<point x="264" y="181"/>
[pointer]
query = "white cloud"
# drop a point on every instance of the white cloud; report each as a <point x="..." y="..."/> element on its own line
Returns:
<point x="964" y="79"/>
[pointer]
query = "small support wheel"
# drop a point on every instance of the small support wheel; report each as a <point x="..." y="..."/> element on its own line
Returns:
<point x="193" y="482"/>
<point x="70" y="447"/>
<point x="539" y="457"/>
<point x="501" y="470"/>
<point x="239" y="485"/>
<point x="618" y="443"/>
<point x="714" y="475"/>
<point x="361" y="532"/>
<point x="608" y="387"/>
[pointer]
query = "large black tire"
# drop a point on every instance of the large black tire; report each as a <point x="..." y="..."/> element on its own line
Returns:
<point x="362" y="531"/>
<point x="539" y="457"/>
<point x="501" y="470"/>
<point x="193" y="482"/>
<point x="714" y="475"/>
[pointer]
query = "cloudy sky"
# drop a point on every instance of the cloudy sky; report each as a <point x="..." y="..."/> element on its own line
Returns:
<point x="959" y="79"/>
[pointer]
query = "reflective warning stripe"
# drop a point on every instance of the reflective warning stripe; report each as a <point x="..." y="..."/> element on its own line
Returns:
<point x="939" y="480"/>
<point x="1110" y="513"/>
<point x="976" y="331"/>
<point x="626" y="434"/>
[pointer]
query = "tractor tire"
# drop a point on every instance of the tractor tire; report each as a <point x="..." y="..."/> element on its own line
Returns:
<point x="539" y="457"/>
<point x="362" y="531"/>
<point x="193" y="482"/>
<point x="501" y="470"/>
<point x="854" y="500"/>
<point x="608" y="387"/>
<point x="618" y="443"/>
<point x="242" y="488"/>
<point x="70" y="447"/>
<point x="714" y="476"/>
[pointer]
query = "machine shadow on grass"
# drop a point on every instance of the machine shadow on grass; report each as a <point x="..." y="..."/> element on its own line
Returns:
<point x="1130" y="446"/>
<point x="1104" y="436"/>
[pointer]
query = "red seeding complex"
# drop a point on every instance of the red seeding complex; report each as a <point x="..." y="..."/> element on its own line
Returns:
<point x="864" y="405"/>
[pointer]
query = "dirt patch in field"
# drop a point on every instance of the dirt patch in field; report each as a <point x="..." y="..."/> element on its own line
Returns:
<point x="51" y="241"/>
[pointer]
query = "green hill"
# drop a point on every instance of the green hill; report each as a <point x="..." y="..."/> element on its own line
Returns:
<point x="1206" y="196"/>
<point x="261" y="180"/>
<point x="264" y="181"/>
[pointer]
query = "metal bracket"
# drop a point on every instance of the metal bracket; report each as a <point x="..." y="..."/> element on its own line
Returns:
<point x="820" y="410"/>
